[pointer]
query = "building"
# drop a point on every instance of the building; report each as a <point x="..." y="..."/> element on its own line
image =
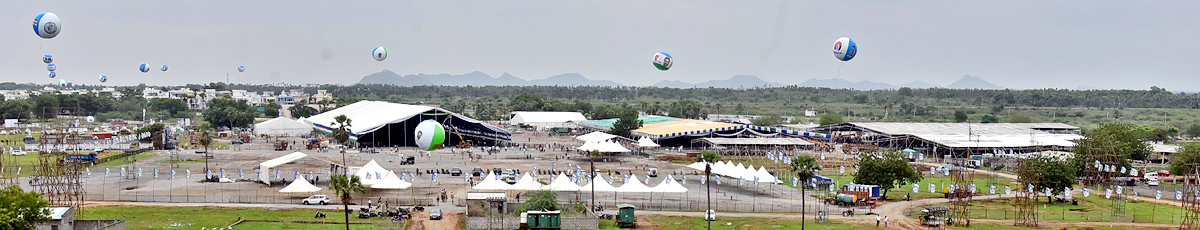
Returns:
<point x="63" y="218"/>
<point x="546" y="120"/>
<point x="958" y="139"/>
<point x="378" y="123"/>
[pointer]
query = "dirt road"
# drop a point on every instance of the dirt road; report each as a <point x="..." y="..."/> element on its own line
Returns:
<point x="450" y="220"/>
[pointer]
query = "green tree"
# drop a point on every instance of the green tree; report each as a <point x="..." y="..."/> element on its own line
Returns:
<point x="831" y="118"/>
<point x="302" y="110"/>
<point x="988" y="118"/>
<point x="805" y="167"/>
<point x="960" y="116"/>
<point x="1193" y="130"/>
<point x="227" y="112"/>
<point x="17" y="108"/>
<point x="1020" y="118"/>
<point x="626" y="122"/>
<point x="540" y="200"/>
<point x="885" y="168"/>
<point x="1050" y="173"/>
<point x="271" y="110"/>
<point x="344" y="186"/>
<point x="527" y="102"/>
<point x="1124" y="140"/>
<point x="173" y="107"/>
<point x="768" y="120"/>
<point x="21" y="210"/>
<point x="205" y="135"/>
<point x="708" y="156"/>
<point x="1186" y="161"/>
<point x="1159" y="134"/>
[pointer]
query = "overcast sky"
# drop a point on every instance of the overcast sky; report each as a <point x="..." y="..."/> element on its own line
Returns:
<point x="1017" y="44"/>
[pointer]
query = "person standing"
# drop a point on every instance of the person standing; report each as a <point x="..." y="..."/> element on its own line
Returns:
<point x="885" y="222"/>
<point x="877" y="219"/>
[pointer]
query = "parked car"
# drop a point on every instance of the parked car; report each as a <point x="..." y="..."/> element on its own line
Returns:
<point x="456" y="172"/>
<point x="18" y="153"/>
<point x="435" y="214"/>
<point x="476" y="172"/>
<point x="316" y="199"/>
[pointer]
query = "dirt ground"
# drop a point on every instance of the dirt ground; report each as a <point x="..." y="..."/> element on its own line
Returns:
<point x="450" y="220"/>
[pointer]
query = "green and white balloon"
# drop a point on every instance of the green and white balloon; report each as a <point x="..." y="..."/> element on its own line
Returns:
<point x="430" y="135"/>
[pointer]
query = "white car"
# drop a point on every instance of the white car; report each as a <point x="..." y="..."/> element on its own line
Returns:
<point x="316" y="199"/>
<point x="18" y="153"/>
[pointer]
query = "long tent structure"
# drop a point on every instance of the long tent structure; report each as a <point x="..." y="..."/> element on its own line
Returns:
<point x="490" y="183"/>
<point x="603" y="147"/>
<point x="381" y="123"/>
<point x="959" y="139"/>
<point x="544" y="120"/>
<point x="282" y="126"/>
<point x="670" y="131"/>
<point x="267" y="165"/>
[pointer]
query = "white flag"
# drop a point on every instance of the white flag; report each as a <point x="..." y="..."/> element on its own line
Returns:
<point x="172" y="173"/>
<point x="1178" y="195"/>
<point x="105" y="171"/>
<point x="1087" y="192"/>
<point x="187" y="173"/>
<point x="916" y="187"/>
<point x="1157" y="195"/>
<point x="972" y="186"/>
<point x="932" y="188"/>
<point x="1119" y="190"/>
<point x="992" y="189"/>
<point x="1007" y="190"/>
<point x="1107" y="193"/>
<point x="156" y="173"/>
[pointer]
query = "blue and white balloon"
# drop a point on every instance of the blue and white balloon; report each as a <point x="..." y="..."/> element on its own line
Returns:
<point x="47" y="25"/>
<point x="241" y="68"/>
<point x="144" y="67"/>
<point x="164" y="68"/>
<point x="103" y="78"/>
<point x="379" y="53"/>
<point x="844" y="49"/>
<point x="51" y="67"/>
<point x="47" y="59"/>
<point x="53" y="74"/>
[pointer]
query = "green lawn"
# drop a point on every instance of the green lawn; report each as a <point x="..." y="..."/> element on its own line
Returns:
<point x="138" y="217"/>
<point x="680" y="223"/>
<point x="1091" y="209"/>
<point x="277" y="225"/>
<point x="1009" y="226"/>
<point x="139" y="157"/>
<point x="981" y="186"/>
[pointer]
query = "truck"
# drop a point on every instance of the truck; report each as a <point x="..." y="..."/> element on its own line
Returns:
<point x="82" y="157"/>
<point x="625" y="216"/>
<point x="1151" y="178"/>
<point x="844" y="199"/>
<point x="537" y="220"/>
<point x="407" y="160"/>
<point x="862" y="190"/>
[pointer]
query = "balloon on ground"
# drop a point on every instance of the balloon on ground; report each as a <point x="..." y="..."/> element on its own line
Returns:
<point x="430" y="135"/>
<point x="844" y="49"/>
<point x="662" y="61"/>
<point x="47" y="25"/>
<point x="379" y="53"/>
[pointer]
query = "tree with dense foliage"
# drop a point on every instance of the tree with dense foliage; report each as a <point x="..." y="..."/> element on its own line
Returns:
<point x="227" y="112"/>
<point x="21" y="210"/>
<point x="302" y="110"/>
<point x="988" y="118"/>
<point x="1123" y="140"/>
<point x="709" y="157"/>
<point x="271" y="110"/>
<point x="886" y="168"/>
<point x="831" y="118"/>
<point x="960" y="116"/>
<point x="1020" y="118"/>
<point x="627" y="122"/>
<point x="805" y="167"/>
<point x="173" y="107"/>
<point x="17" y="109"/>
<point x="768" y="120"/>
<point x="1159" y="134"/>
<point x="1193" y="130"/>
<point x="205" y="135"/>
<point x="1050" y="173"/>
<point x="1186" y="161"/>
<point x="345" y="186"/>
<point x="540" y="200"/>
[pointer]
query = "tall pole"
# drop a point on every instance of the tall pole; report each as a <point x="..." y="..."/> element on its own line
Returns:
<point x="708" y="191"/>
<point x="592" y="162"/>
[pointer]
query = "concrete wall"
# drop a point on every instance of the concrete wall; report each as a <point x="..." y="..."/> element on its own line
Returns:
<point x="99" y="225"/>
<point x="514" y="222"/>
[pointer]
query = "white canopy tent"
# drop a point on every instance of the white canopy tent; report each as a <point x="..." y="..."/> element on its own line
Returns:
<point x="371" y="173"/>
<point x="265" y="167"/>
<point x="545" y="119"/>
<point x="601" y="185"/>
<point x="527" y="183"/>
<point x="300" y="185"/>
<point x="282" y="126"/>
<point x="603" y="146"/>
<point x="562" y="183"/>
<point x="669" y="185"/>
<point x="595" y="136"/>
<point x="647" y="143"/>
<point x="391" y="181"/>
<point x="490" y="182"/>
<point x="633" y="185"/>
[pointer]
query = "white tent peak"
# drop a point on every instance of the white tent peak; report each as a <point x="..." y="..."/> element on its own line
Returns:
<point x="391" y="181"/>
<point x="300" y="185"/>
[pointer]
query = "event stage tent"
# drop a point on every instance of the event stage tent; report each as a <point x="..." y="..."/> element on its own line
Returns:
<point x="595" y="137"/>
<point x="526" y="182"/>
<point x="601" y="185"/>
<point x="633" y="185"/>
<point x="391" y="124"/>
<point x="669" y="185"/>
<point x="282" y="126"/>
<point x="371" y="173"/>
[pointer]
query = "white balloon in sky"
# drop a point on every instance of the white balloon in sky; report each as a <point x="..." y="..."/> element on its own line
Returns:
<point x="144" y="67"/>
<point x="47" y="25"/>
<point x="241" y="68"/>
<point x="844" y="49"/>
<point x="103" y="78"/>
<point x="164" y="68"/>
<point x="379" y="53"/>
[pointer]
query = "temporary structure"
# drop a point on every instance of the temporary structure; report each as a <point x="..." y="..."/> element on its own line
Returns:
<point x="603" y="146"/>
<point x="370" y="173"/>
<point x="646" y="142"/>
<point x="300" y="185"/>
<point x="282" y="126"/>
<point x="633" y="185"/>
<point x="265" y="167"/>
<point x="562" y="183"/>
<point x="391" y="181"/>
<point x="669" y="185"/>
<point x="698" y="165"/>
<point x="490" y="182"/>
<point x="601" y="185"/>
<point x="526" y="182"/>
<point x="595" y="136"/>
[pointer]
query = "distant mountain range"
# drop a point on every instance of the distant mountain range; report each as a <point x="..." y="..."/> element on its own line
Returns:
<point x="574" y="79"/>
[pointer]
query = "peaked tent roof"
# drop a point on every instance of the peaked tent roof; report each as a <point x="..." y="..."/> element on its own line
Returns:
<point x="646" y="142"/>
<point x="669" y="185"/>
<point x="391" y="181"/>
<point x="266" y="166"/>
<point x="562" y="183"/>
<point x="282" y="126"/>
<point x="601" y="185"/>
<point x="604" y="147"/>
<point x="300" y="185"/>
<point x="370" y="173"/>
<point x="368" y="116"/>
<point x="633" y="185"/>
<point x="697" y="165"/>
<point x="526" y="182"/>
<point x="595" y="136"/>
<point x="491" y="183"/>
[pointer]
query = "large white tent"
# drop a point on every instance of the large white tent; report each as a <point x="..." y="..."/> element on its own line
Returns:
<point x="601" y="185"/>
<point x="669" y="185"/>
<point x="646" y="143"/>
<point x="633" y="185"/>
<point x="282" y="126"/>
<point x="562" y="183"/>
<point x="371" y="173"/>
<point x="595" y="136"/>
<point x="300" y="185"/>
<point x="491" y="183"/>
<point x="603" y="146"/>
<point x="391" y="181"/>
<point x="369" y="116"/>
<point x="546" y="119"/>
<point x="526" y="182"/>
<point x="265" y="167"/>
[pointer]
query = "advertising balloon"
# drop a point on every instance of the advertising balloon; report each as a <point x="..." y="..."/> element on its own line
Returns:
<point x="53" y="74"/>
<point x="90" y="119"/>
<point x="379" y="53"/>
<point x="51" y="67"/>
<point x="163" y="68"/>
<point x="144" y="67"/>
<point x="430" y="135"/>
<point x="103" y="78"/>
<point x="46" y="25"/>
<point x="844" y="49"/>
<point x="241" y="68"/>
<point x="62" y="82"/>
<point x="47" y="59"/>
<point x="662" y="61"/>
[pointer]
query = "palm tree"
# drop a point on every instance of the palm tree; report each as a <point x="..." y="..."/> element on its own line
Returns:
<point x="709" y="157"/>
<point x="206" y="139"/>
<point x="805" y="167"/>
<point x="342" y="133"/>
<point x="345" y="185"/>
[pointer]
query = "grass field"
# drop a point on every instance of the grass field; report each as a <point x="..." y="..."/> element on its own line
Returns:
<point x="139" y="157"/>
<point x="276" y="225"/>
<point x="1010" y="227"/>
<point x="1091" y="209"/>
<point x="981" y="186"/>
<point x="682" y="223"/>
<point x="138" y="217"/>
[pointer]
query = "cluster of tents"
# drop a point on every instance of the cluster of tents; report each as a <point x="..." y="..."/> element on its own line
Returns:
<point x="563" y="183"/>
<point x="372" y="175"/>
<point x="728" y="169"/>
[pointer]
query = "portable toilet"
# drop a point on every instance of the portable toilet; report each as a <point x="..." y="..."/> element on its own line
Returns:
<point x="625" y="216"/>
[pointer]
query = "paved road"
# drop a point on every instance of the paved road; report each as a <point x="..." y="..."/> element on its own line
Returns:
<point x="240" y="205"/>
